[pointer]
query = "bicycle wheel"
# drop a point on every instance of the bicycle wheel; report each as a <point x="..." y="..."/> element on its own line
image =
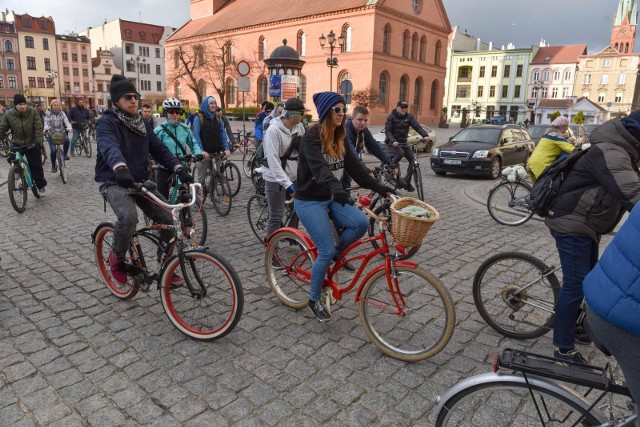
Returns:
<point x="289" y="280"/>
<point x="220" y="195"/>
<point x="5" y="147"/>
<point x="87" y="147"/>
<point x="258" y="214"/>
<point x="514" y="297"/>
<point x="509" y="403"/>
<point x="247" y="161"/>
<point x="62" y="167"/>
<point x="508" y="203"/>
<point x="43" y="152"/>
<point x="417" y="179"/>
<point x="195" y="219"/>
<point x="209" y="303"/>
<point x="102" y="241"/>
<point x="78" y="148"/>
<point x="426" y="321"/>
<point x="397" y="251"/>
<point x="17" y="185"/>
<point x="232" y="173"/>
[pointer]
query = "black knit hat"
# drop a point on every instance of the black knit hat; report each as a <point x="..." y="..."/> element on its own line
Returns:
<point x="18" y="98"/>
<point x="120" y="86"/>
<point x="294" y="104"/>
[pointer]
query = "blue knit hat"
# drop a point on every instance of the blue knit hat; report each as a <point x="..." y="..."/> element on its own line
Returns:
<point x="324" y="101"/>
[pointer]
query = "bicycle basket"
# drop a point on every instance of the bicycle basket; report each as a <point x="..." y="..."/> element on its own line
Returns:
<point x="57" y="138"/>
<point x="409" y="230"/>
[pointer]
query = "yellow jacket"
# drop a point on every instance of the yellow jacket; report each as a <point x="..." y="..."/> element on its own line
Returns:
<point x="549" y="148"/>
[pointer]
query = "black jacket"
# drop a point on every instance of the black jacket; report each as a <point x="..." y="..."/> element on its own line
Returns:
<point x="369" y="141"/>
<point x="396" y="128"/>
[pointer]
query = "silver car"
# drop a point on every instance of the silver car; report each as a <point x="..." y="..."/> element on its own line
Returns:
<point x="414" y="137"/>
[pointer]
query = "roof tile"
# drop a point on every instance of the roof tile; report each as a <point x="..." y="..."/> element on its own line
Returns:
<point x="559" y="54"/>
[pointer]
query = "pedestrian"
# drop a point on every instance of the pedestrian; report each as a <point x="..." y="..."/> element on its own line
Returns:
<point x="125" y="141"/>
<point x="319" y="196"/>
<point x="603" y="184"/>
<point x="396" y="130"/>
<point x="79" y="117"/>
<point x="549" y="148"/>
<point x="56" y="121"/>
<point x="27" y="131"/>
<point x="210" y="135"/>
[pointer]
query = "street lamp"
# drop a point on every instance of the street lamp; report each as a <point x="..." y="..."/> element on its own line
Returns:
<point x="537" y="87"/>
<point x="53" y="75"/>
<point x="137" y="60"/>
<point x="332" y="61"/>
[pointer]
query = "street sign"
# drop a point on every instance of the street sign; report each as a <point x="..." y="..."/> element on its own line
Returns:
<point x="243" y="68"/>
<point x="244" y="84"/>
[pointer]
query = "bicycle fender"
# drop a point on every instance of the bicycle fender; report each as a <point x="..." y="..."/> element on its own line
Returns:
<point x="300" y="234"/>
<point x="491" y="377"/>
<point x="102" y="224"/>
<point x="378" y="268"/>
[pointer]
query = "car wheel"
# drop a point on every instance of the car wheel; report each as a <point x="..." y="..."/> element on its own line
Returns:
<point x="440" y="173"/>
<point x="494" y="171"/>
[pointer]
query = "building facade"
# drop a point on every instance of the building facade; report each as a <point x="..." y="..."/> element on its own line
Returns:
<point x="10" y="70"/>
<point x="138" y="51"/>
<point x="395" y="49"/>
<point x="104" y="68"/>
<point x="74" y="79"/>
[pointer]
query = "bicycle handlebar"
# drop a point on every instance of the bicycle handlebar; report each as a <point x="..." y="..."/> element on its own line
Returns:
<point x="195" y="187"/>
<point x="369" y="212"/>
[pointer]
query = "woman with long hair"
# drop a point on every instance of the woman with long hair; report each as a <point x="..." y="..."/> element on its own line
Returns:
<point x="319" y="197"/>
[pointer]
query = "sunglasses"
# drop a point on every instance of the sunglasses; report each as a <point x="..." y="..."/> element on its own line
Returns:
<point x="268" y="111"/>
<point x="404" y="107"/>
<point x="173" y="111"/>
<point x="339" y="110"/>
<point x="130" y="97"/>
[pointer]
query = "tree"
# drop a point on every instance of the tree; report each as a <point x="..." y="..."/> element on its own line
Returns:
<point x="463" y="122"/>
<point x="554" y="115"/>
<point x="210" y="63"/>
<point x="367" y="97"/>
<point x="579" y="118"/>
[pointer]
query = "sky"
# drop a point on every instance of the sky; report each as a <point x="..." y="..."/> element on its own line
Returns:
<point x="521" y="22"/>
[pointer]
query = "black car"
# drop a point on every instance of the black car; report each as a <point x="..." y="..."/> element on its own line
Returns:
<point x="483" y="150"/>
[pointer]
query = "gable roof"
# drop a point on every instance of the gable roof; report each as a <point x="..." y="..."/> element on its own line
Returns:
<point x="567" y="103"/>
<point x="559" y="54"/>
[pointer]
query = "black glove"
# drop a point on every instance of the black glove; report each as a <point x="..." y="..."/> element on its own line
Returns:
<point x="342" y="197"/>
<point x="383" y="190"/>
<point x="199" y="157"/>
<point x="124" y="177"/>
<point x="184" y="176"/>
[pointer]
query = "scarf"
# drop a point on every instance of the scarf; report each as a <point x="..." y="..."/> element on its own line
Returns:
<point x="135" y="124"/>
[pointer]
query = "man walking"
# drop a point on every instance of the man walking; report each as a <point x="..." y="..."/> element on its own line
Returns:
<point x="78" y="116"/>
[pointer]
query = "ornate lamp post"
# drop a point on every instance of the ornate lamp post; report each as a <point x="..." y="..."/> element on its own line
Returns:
<point x="53" y="75"/>
<point x="332" y="61"/>
<point x="537" y="87"/>
<point x="137" y="61"/>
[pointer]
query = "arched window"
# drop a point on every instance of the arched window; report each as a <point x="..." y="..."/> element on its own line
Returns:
<point x="263" y="89"/>
<point x="414" y="46"/>
<point x="423" y="48"/>
<point x="383" y="88"/>
<point x="556" y="75"/>
<point x="536" y="76"/>
<point x="301" y="46"/>
<point x="176" y="59"/>
<point x="433" y="99"/>
<point x="417" y="95"/>
<point x="230" y="92"/>
<point x="567" y="75"/>
<point x="198" y="52"/>
<point x="343" y="76"/>
<point x="177" y="90"/>
<point x="8" y="46"/>
<point x="303" y="88"/>
<point x="404" y="88"/>
<point x="437" y="57"/>
<point x="262" y="48"/>
<point x="386" y="39"/>
<point x="545" y="75"/>
<point x="406" y="37"/>
<point x="346" y="33"/>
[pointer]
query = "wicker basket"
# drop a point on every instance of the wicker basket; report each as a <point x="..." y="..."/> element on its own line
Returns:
<point x="57" y="138"/>
<point x="408" y="230"/>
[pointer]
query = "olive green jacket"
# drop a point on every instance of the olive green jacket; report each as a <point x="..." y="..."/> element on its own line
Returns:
<point x="26" y="128"/>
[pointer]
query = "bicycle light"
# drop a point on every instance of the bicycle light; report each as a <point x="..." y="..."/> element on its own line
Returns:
<point x="365" y="200"/>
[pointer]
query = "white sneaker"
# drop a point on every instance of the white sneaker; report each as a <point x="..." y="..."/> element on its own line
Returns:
<point x="42" y="191"/>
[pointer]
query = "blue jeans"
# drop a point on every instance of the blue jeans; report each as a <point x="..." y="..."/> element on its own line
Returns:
<point x="74" y="138"/>
<point x="317" y="221"/>
<point x="578" y="256"/>
<point x="54" y="149"/>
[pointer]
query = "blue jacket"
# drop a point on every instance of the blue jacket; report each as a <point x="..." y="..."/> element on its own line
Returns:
<point x="206" y="114"/>
<point x="118" y="144"/>
<point x="257" y="128"/>
<point x="369" y="141"/>
<point x="612" y="289"/>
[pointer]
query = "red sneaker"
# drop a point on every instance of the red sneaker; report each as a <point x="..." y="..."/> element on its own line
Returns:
<point x="176" y="281"/>
<point x="118" y="269"/>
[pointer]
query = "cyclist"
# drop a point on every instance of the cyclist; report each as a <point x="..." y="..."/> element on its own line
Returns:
<point x="124" y="143"/>
<point x="27" y="130"/>
<point x="147" y="114"/>
<point x="396" y="130"/>
<point x="210" y="135"/>
<point x="177" y="137"/>
<point x="275" y="113"/>
<point x="78" y="116"/>
<point x="551" y="146"/>
<point x="279" y="145"/>
<point x="56" y="121"/>
<point x="319" y="196"/>
<point x="227" y="126"/>
<point x="267" y="108"/>
<point x="359" y="136"/>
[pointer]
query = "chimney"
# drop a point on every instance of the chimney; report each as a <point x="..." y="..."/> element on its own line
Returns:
<point x="478" y="44"/>
<point x="490" y="45"/>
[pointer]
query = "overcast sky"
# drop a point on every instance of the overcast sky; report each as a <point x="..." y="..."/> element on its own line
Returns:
<point x="521" y="22"/>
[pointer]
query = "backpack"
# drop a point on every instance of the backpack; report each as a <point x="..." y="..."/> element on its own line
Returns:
<point x="294" y="146"/>
<point x="546" y="188"/>
<point x="261" y="159"/>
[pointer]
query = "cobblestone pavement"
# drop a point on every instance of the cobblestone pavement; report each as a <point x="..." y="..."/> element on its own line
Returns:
<point x="72" y="354"/>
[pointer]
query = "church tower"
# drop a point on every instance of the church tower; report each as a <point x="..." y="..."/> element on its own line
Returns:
<point x="623" y="33"/>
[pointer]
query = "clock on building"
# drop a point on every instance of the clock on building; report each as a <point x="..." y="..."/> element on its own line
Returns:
<point x="623" y="31"/>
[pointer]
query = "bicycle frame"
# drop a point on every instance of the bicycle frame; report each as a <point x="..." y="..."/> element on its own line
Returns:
<point x="24" y="165"/>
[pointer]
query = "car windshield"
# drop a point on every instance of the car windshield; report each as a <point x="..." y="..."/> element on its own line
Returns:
<point x="484" y="134"/>
<point x="537" y="131"/>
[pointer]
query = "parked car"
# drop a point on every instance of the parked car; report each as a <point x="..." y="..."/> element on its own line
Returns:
<point x="483" y="150"/>
<point x="414" y="137"/>
<point x="497" y="120"/>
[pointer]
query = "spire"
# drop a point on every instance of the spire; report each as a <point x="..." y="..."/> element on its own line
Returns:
<point x="626" y="8"/>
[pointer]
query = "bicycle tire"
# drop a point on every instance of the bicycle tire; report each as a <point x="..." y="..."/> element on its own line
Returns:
<point x="87" y="147"/>
<point x="488" y="404"/>
<point x="43" y="154"/>
<point x="507" y="203"/>
<point x="102" y="238"/>
<point x="247" y="161"/>
<point x="220" y="195"/>
<point x="417" y="178"/>
<point x="214" y="305"/>
<point x="5" y="147"/>
<point x="294" y="261"/>
<point x="196" y="215"/>
<point x="497" y="294"/>
<point x="426" y="323"/>
<point x="258" y="214"/>
<point x="78" y="147"/>
<point x="232" y="173"/>
<point x="62" y="168"/>
<point x="396" y="251"/>
<point x="17" y="185"/>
